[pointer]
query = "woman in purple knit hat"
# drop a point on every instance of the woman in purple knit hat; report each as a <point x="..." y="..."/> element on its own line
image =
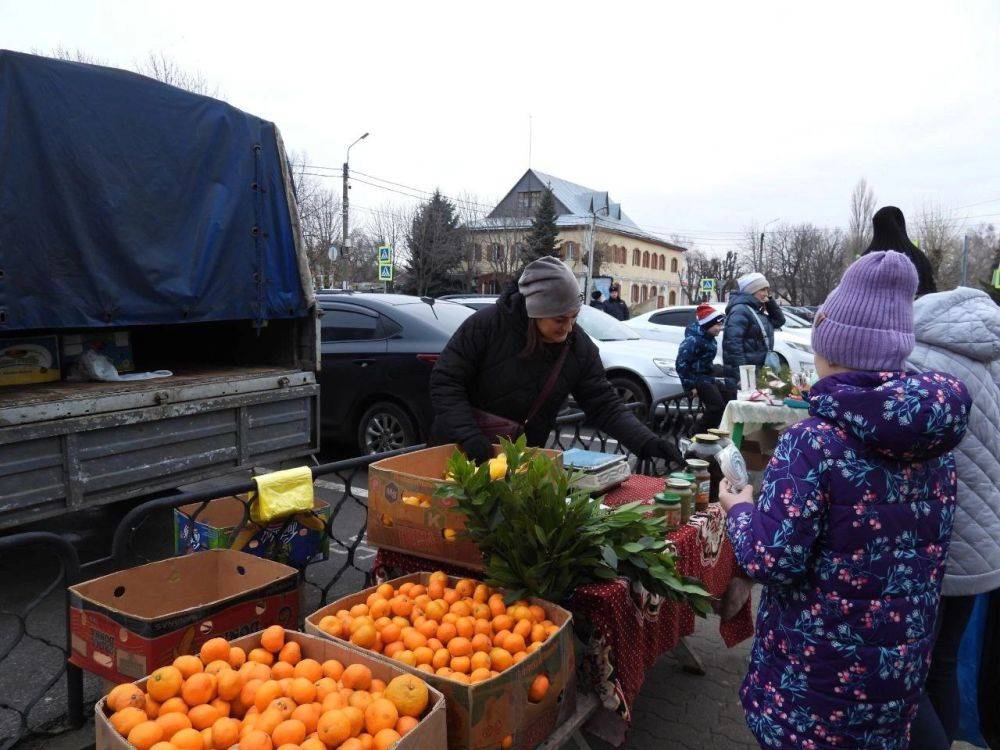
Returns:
<point x="850" y="533"/>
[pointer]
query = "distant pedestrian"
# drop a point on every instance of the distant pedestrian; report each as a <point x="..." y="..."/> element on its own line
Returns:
<point x="699" y="373"/>
<point x="616" y="307"/>
<point x="752" y="316"/>
<point x="850" y="532"/>
<point x="595" y="300"/>
<point x="889" y="233"/>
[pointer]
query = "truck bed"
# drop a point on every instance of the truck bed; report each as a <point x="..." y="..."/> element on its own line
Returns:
<point x="66" y="446"/>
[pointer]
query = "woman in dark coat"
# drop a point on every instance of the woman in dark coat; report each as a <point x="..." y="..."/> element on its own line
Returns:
<point x="752" y="316"/>
<point x="499" y="360"/>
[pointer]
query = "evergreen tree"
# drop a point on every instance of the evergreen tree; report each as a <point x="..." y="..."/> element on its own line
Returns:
<point x="541" y="240"/>
<point x="435" y="242"/>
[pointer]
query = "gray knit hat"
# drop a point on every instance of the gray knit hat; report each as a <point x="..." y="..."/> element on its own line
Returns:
<point x="549" y="288"/>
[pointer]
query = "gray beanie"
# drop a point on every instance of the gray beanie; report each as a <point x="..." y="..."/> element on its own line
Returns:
<point x="549" y="288"/>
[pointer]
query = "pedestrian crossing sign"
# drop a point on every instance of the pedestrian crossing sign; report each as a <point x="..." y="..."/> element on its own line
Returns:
<point x="385" y="254"/>
<point x="707" y="286"/>
<point x="385" y="271"/>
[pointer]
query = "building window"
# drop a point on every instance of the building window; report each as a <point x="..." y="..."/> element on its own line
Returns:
<point x="644" y="293"/>
<point x="572" y="250"/>
<point x="673" y="265"/>
<point x="496" y="252"/>
<point x="636" y="257"/>
<point x="663" y="262"/>
<point x="645" y="259"/>
<point x="528" y="202"/>
<point x="477" y="252"/>
<point x="520" y="249"/>
<point x="673" y="297"/>
<point x="494" y="287"/>
<point x="635" y="294"/>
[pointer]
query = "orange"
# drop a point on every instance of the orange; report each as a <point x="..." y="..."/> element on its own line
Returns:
<point x="312" y="743"/>
<point x="391" y="632"/>
<point x="282" y="670"/>
<point x="291" y="653"/>
<point x="444" y="671"/>
<point x="500" y="637"/>
<point x="188" y="665"/>
<point x="401" y="606"/>
<point x="538" y="634"/>
<point x="359" y="610"/>
<point x="214" y="648"/>
<point x="502" y="622"/>
<point x="481" y="593"/>
<point x="261" y="656"/>
<point x="173" y="705"/>
<point x="482" y="642"/>
<point x="501" y="659"/>
<point x="172" y="723"/>
<point x="466" y="627"/>
<point x="333" y="701"/>
<point x="445" y="632"/>
<point x="413" y="638"/>
<point x="266" y="693"/>
<point x="198" y="688"/>
<point x="268" y="720"/>
<point x="426" y="668"/>
<point x="125" y="695"/>
<point x="364" y="636"/>
<point x="481" y="660"/>
<point x="273" y="638"/>
<point x="479" y="675"/>
<point x="461" y="608"/>
<point x="523" y="629"/>
<point x="151" y="707"/>
<point x="333" y="669"/>
<point x="284" y="706"/>
<point x="357" y="718"/>
<point x="308" y="714"/>
<point x="380" y="714"/>
<point x="303" y="691"/>
<point x="360" y="699"/>
<point x="386" y="591"/>
<point x="127" y="719"/>
<point x="229" y="684"/>
<point x="507" y="743"/>
<point x="434" y="644"/>
<point x="357" y="677"/>
<point x="377" y="686"/>
<point x="460" y="646"/>
<point x="442" y="657"/>
<point x="537" y="613"/>
<point x="386" y="739"/>
<point x="435" y="589"/>
<point x="404" y="589"/>
<point x="311" y="669"/>
<point x="406" y="656"/>
<point x="256" y="740"/>
<point x="188" y="739"/>
<point x="324" y="687"/>
<point x="351" y="744"/>
<point x="331" y="625"/>
<point x="164" y="683"/>
<point x="391" y="649"/>
<point x="406" y="724"/>
<point x="450" y="596"/>
<point x="289" y="732"/>
<point x="146" y="734"/>
<point x="416" y="591"/>
<point x="203" y="716"/>
<point x="435" y="610"/>
<point x="409" y="694"/>
<point x="225" y="733"/>
<point x="482" y="612"/>
<point x="217" y="667"/>
<point x="533" y="647"/>
<point x="520" y="612"/>
<point x="461" y="664"/>
<point x="333" y="728"/>
<point x="161" y="745"/>
<point x="248" y="694"/>
<point x="514" y="643"/>
<point x="237" y="657"/>
<point x="520" y="656"/>
<point x="539" y="688"/>
<point x="428" y="628"/>
<point x="497" y="607"/>
<point x="257" y="671"/>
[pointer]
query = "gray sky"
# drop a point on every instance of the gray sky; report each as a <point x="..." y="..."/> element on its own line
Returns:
<point x="698" y="120"/>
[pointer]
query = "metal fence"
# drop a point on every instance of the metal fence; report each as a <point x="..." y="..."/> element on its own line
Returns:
<point x="345" y="531"/>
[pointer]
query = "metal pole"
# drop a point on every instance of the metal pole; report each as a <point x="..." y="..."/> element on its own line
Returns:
<point x="590" y="258"/>
<point x="343" y="209"/>
<point x="965" y="259"/>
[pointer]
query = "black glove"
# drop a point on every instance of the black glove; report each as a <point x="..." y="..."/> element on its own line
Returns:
<point x="478" y="449"/>
<point x="660" y="448"/>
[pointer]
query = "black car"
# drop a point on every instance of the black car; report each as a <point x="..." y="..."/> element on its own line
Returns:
<point x="378" y="352"/>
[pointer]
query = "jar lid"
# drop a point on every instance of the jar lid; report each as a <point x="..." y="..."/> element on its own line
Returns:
<point x="718" y="433"/>
<point x="678" y="483"/>
<point x="704" y="438"/>
<point x="668" y="499"/>
<point x="697" y="463"/>
<point x="682" y="475"/>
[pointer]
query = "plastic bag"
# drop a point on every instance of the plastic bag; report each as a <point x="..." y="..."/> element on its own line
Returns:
<point x="282" y="493"/>
<point x="94" y="366"/>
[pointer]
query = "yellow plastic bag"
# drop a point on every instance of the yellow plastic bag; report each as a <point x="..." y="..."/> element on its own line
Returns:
<point x="282" y="493"/>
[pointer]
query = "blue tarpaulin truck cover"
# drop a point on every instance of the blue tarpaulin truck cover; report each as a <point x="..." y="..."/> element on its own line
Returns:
<point x="125" y="201"/>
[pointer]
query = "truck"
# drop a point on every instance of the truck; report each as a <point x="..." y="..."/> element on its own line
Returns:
<point x="154" y="230"/>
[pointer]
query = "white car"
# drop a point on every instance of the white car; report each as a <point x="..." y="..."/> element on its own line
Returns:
<point x="791" y="342"/>
<point x="641" y="370"/>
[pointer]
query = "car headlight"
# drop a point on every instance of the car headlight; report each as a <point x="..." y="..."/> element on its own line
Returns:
<point x="800" y="347"/>
<point x="666" y="366"/>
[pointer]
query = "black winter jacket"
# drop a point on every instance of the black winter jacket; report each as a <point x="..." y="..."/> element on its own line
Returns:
<point x="743" y="343"/>
<point x="481" y="368"/>
<point x="616" y="308"/>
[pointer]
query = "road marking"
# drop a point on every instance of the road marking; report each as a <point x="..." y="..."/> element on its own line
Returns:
<point x="356" y="491"/>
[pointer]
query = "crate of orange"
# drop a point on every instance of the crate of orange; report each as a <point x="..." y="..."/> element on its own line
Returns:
<point x="507" y="672"/>
<point x="273" y="690"/>
<point x="404" y="515"/>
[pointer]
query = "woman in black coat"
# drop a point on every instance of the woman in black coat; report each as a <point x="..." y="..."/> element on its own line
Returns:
<point x="499" y="360"/>
<point x="752" y="317"/>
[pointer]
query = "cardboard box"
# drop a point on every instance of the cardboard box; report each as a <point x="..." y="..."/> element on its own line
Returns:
<point x="129" y="623"/>
<point x="410" y="528"/>
<point x="29" y="359"/>
<point x="429" y="734"/>
<point x="481" y="716"/>
<point x="221" y="524"/>
<point x="115" y="345"/>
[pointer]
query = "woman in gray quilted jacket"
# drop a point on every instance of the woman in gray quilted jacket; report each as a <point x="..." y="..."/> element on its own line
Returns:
<point x="957" y="332"/>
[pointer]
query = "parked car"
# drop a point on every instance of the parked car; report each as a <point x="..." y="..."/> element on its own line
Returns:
<point x="642" y="371"/>
<point x="378" y="352"/>
<point x="791" y="343"/>
<point x="805" y="312"/>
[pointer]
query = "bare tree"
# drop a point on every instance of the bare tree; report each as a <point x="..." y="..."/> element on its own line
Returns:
<point x="802" y="262"/>
<point x="165" y="69"/>
<point x="696" y="264"/>
<point x="859" y="233"/>
<point x="61" y="52"/>
<point x="320" y="219"/>
<point x="939" y="237"/>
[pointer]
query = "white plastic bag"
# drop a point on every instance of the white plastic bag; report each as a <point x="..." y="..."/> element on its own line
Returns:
<point x="94" y="366"/>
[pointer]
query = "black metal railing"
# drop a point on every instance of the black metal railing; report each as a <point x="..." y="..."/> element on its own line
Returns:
<point x="323" y="576"/>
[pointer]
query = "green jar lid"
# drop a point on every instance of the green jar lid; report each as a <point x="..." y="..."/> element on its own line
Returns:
<point x="697" y="463"/>
<point x="679" y="484"/>
<point x="667" y="498"/>
<point x="682" y="475"/>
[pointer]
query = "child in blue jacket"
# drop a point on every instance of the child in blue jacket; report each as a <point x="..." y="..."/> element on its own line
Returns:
<point x="697" y="368"/>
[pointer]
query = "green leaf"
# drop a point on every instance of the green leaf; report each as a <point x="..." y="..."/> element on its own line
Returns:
<point x="609" y="557"/>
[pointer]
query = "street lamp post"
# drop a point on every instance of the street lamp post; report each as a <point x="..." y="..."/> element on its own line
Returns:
<point x="762" y="236"/>
<point x="345" y="201"/>
<point x="592" y="248"/>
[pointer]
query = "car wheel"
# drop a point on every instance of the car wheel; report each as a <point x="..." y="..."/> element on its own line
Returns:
<point x="631" y="392"/>
<point x="385" y="427"/>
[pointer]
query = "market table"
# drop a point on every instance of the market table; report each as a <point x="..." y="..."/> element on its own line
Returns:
<point x="741" y="417"/>
<point x="627" y="628"/>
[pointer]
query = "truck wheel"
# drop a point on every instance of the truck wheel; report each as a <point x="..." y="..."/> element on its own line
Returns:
<point x="385" y="427"/>
<point x="631" y="392"/>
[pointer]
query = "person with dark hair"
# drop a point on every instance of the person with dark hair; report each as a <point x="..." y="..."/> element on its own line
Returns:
<point x="510" y="367"/>
<point x="889" y="233"/>
<point x="616" y="307"/>
<point x="595" y="300"/>
<point x="698" y="371"/>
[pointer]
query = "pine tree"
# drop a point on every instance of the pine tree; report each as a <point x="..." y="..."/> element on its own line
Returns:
<point x="435" y="242"/>
<point x="542" y="238"/>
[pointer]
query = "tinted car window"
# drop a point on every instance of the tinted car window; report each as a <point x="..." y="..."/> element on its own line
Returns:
<point x="681" y="318"/>
<point x="447" y="316"/>
<point x="342" y="325"/>
<point x="603" y="327"/>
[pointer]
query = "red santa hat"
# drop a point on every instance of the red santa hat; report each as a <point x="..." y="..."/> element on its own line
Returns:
<point x="707" y="316"/>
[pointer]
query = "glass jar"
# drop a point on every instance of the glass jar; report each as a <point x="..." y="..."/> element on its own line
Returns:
<point x="724" y="440"/>
<point x="699" y="468"/>
<point x="671" y="503"/>
<point x="682" y="488"/>
<point x="706" y="447"/>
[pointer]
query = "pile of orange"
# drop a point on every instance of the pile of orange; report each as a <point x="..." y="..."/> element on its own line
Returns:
<point x="269" y="699"/>
<point x="465" y="633"/>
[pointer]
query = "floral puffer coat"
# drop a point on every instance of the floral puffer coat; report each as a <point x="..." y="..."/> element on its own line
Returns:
<point x="849" y="536"/>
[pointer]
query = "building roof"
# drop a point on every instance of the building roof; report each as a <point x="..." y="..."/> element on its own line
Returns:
<point x="576" y="206"/>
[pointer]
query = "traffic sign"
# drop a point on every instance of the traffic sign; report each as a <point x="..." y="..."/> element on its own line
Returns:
<point x="707" y="286"/>
<point x="385" y="254"/>
<point x="385" y="271"/>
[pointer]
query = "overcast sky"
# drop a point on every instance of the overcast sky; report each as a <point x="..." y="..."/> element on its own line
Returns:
<point x="698" y="117"/>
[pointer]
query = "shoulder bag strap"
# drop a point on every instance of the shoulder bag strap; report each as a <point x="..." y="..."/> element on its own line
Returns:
<point x="550" y="385"/>
<point x="763" y="331"/>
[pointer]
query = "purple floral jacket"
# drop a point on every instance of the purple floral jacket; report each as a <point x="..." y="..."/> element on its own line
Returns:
<point x="849" y="537"/>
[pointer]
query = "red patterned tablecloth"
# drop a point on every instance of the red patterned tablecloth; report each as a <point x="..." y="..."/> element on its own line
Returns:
<point x="630" y="629"/>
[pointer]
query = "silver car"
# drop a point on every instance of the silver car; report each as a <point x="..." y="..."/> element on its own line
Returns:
<point x="641" y="370"/>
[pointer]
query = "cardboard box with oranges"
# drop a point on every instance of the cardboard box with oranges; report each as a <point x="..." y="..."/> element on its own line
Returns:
<point x="404" y="515"/>
<point x="504" y="710"/>
<point x="429" y="734"/>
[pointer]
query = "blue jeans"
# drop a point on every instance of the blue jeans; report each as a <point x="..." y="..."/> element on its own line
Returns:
<point x="936" y="723"/>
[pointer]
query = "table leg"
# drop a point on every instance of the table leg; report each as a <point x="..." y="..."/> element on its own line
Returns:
<point x="688" y="659"/>
<point x="737" y="436"/>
